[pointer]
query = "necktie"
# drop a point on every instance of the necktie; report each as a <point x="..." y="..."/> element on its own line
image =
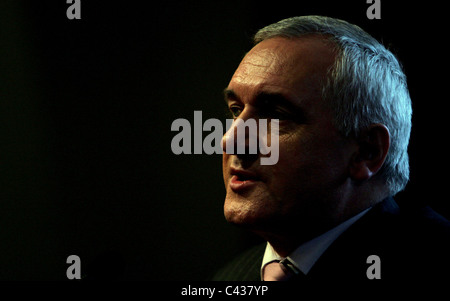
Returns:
<point x="276" y="271"/>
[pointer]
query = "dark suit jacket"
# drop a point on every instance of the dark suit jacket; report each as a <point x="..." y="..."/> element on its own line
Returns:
<point x="412" y="244"/>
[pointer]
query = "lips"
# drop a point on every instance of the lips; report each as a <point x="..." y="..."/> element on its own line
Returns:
<point x="242" y="179"/>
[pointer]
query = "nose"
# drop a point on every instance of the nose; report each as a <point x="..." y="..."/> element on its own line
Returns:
<point x="241" y="139"/>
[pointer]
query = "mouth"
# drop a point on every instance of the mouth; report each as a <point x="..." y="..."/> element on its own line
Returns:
<point x="242" y="179"/>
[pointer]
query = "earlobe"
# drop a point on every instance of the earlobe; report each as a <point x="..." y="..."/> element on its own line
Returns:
<point x="372" y="149"/>
<point x="360" y="172"/>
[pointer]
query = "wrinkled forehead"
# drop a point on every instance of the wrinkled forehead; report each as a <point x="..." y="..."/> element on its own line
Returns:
<point x="278" y="53"/>
<point x="296" y="66"/>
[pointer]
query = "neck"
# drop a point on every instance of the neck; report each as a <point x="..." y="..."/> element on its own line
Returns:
<point x="287" y="241"/>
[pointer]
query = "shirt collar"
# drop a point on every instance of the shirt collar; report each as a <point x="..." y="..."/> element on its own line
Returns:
<point x="306" y="255"/>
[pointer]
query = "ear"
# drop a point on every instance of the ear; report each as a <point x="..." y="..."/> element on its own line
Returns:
<point x="372" y="149"/>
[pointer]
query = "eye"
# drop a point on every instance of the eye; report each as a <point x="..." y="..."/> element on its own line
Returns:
<point x="235" y="111"/>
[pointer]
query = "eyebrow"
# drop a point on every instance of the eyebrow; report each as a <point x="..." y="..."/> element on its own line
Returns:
<point x="229" y="94"/>
<point x="263" y="96"/>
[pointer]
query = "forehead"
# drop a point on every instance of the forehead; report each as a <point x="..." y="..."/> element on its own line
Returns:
<point x="294" y="67"/>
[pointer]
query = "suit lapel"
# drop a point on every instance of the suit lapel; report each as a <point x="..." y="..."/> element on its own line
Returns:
<point x="245" y="267"/>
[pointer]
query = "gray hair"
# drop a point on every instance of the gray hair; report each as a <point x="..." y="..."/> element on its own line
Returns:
<point x="366" y="85"/>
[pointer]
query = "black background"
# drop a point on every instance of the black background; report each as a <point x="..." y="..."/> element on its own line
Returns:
<point x="86" y="107"/>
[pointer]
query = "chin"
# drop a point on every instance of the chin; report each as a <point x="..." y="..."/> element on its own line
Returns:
<point x="246" y="214"/>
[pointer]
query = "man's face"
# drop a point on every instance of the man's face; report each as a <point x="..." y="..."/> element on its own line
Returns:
<point x="282" y="79"/>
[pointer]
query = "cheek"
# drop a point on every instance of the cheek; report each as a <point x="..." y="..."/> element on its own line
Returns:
<point x="294" y="151"/>
<point x="225" y="164"/>
<point x="303" y="163"/>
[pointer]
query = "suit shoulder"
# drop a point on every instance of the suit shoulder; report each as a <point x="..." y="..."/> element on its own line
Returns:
<point x="428" y="223"/>
<point x="431" y="236"/>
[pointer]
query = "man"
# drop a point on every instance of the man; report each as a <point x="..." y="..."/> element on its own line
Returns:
<point x="326" y="208"/>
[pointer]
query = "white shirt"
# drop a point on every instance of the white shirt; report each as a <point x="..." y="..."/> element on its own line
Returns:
<point x="306" y="255"/>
